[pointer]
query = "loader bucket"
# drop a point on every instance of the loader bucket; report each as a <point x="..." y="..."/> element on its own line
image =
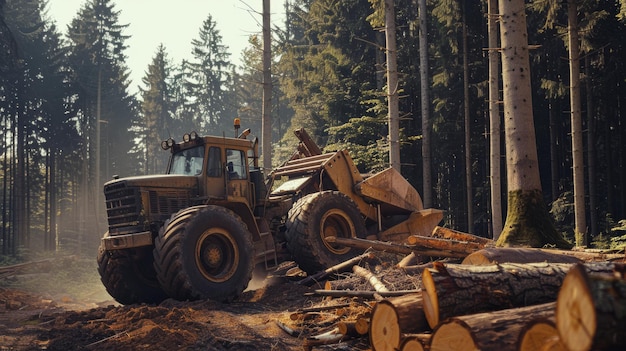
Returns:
<point x="394" y="193"/>
<point x="419" y="223"/>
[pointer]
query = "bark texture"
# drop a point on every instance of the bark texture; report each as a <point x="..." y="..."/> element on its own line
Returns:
<point x="454" y="290"/>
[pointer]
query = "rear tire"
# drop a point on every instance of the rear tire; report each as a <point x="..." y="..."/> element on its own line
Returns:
<point x="129" y="278"/>
<point x="319" y="215"/>
<point x="204" y="252"/>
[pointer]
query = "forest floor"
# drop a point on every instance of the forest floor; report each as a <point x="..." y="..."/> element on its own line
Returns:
<point x="61" y="305"/>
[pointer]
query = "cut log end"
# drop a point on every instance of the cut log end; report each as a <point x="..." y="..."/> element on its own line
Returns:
<point x="452" y="336"/>
<point x="411" y="344"/>
<point x="575" y="311"/>
<point x="431" y="303"/>
<point x="536" y="335"/>
<point x="384" y="329"/>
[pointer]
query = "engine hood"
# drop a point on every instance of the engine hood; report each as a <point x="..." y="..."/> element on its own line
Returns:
<point x="169" y="181"/>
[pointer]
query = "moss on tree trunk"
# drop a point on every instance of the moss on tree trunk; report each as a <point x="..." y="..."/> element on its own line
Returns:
<point x="528" y="222"/>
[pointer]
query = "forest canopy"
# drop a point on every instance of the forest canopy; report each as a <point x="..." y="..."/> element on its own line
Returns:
<point x="68" y="121"/>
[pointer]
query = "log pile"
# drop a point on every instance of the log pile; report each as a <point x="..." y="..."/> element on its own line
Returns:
<point x="501" y="299"/>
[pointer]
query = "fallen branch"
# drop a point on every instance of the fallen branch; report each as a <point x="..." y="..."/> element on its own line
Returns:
<point x="338" y="268"/>
<point x="363" y="294"/>
<point x="371" y="278"/>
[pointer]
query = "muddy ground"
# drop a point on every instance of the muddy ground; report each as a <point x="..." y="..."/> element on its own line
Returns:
<point x="61" y="305"/>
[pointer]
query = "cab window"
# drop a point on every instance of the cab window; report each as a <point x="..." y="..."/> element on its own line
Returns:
<point x="236" y="164"/>
<point x="214" y="164"/>
<point x="188" y="161"/>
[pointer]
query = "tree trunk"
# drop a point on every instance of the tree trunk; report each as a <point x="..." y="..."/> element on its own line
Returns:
<point x="528" y="222"/>
<point x="427" y="196"/>
<point x="494" y="121"/>
<point x="393" y="317"/>
<point x="591" y="153"/>
<point x="591" y="311"/>
<point x="454" y="290"/>
<point x="578" y="167"/>
<point x="392" y="86"/>
<point x="495" y="255"/>
<point x="266" y="124"/>
<point x="486" y="331"/>
<point x="466" y="121"/>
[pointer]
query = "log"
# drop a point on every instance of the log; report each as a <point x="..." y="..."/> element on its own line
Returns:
<point x="361" y="293"/>
<point x="495" y="255"/>
<point x="391" y="247"/>
<point x="453" y="289"/>
<point x="362" y="325"/>
<point x="539" y="333"/>
<point x="411" y="343"/>
<point x="338" y="268"/>
<point x="591" y="256"/>
<point x="348" y="328"/>
<point x="408" y="260"/>
<point x="451" y="234"/>
<point x="393" y="317"/>
<point x="591" y="311"/>
<point x="491" y="331"/>
<point x="371" y="278"/>
<point x="447" y="245"/>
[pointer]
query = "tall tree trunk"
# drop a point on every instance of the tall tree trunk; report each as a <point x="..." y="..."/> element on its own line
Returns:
<point x="528" y="221"/>
<point x="577" y="137"/>
<point x="392" y="86"/>
<point x="468" y="142"/>
<point x="554" y="155"/>
<point x="494" y="121"/>
<point x="427" y="196"/>
<point x="266" y="124"/>
<point x="53" y="200"/>
<point x="591" y="152"/>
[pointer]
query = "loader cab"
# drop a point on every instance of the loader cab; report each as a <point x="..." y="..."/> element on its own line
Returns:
<point x="226" y="168"/>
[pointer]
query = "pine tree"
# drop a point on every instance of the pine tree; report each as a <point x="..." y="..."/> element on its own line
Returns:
<point x="156" y="108"/>
<point x="209" y="80"/>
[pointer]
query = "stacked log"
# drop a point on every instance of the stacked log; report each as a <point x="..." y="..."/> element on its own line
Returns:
<point x="393" y="317"/>
<point x="591" y="311"/>
<point x="540" y="334"/>
<point x="492" y="255"/>
<point x="534" y="301"/>
<point x="452" y="290"/>
<point x="495" y="331"/>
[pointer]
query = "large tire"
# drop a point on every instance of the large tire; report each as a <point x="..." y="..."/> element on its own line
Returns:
<point x="319" y="215"/>
<point x="129" y="278"/>
<point x="204" y="252"/>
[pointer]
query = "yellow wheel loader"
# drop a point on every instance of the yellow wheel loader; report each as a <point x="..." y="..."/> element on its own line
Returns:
<point x="199" y="230"/>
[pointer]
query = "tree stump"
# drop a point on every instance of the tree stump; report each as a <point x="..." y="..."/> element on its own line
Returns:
<point x="486" y="331"/>
<point x="591" y="311"/>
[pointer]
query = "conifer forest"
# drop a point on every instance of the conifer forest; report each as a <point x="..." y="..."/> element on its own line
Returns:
<point x="69" y="121"/>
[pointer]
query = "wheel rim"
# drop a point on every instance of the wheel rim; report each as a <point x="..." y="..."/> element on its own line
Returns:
<point x="336" y="223"/>
<point x="217" y="255"/>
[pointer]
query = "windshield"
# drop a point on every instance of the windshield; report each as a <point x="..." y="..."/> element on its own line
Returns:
<point x="188" y="161"/>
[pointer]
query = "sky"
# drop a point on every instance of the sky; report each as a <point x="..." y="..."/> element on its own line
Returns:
<point x="175" y="24"/>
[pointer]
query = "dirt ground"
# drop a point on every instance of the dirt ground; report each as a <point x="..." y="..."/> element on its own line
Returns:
<point x="74" y="312"/>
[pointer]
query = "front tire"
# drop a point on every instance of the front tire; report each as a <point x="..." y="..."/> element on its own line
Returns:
<point x="315" y="217"/>
<point x="129" y="277"/>
<point x="204" y="252"/>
